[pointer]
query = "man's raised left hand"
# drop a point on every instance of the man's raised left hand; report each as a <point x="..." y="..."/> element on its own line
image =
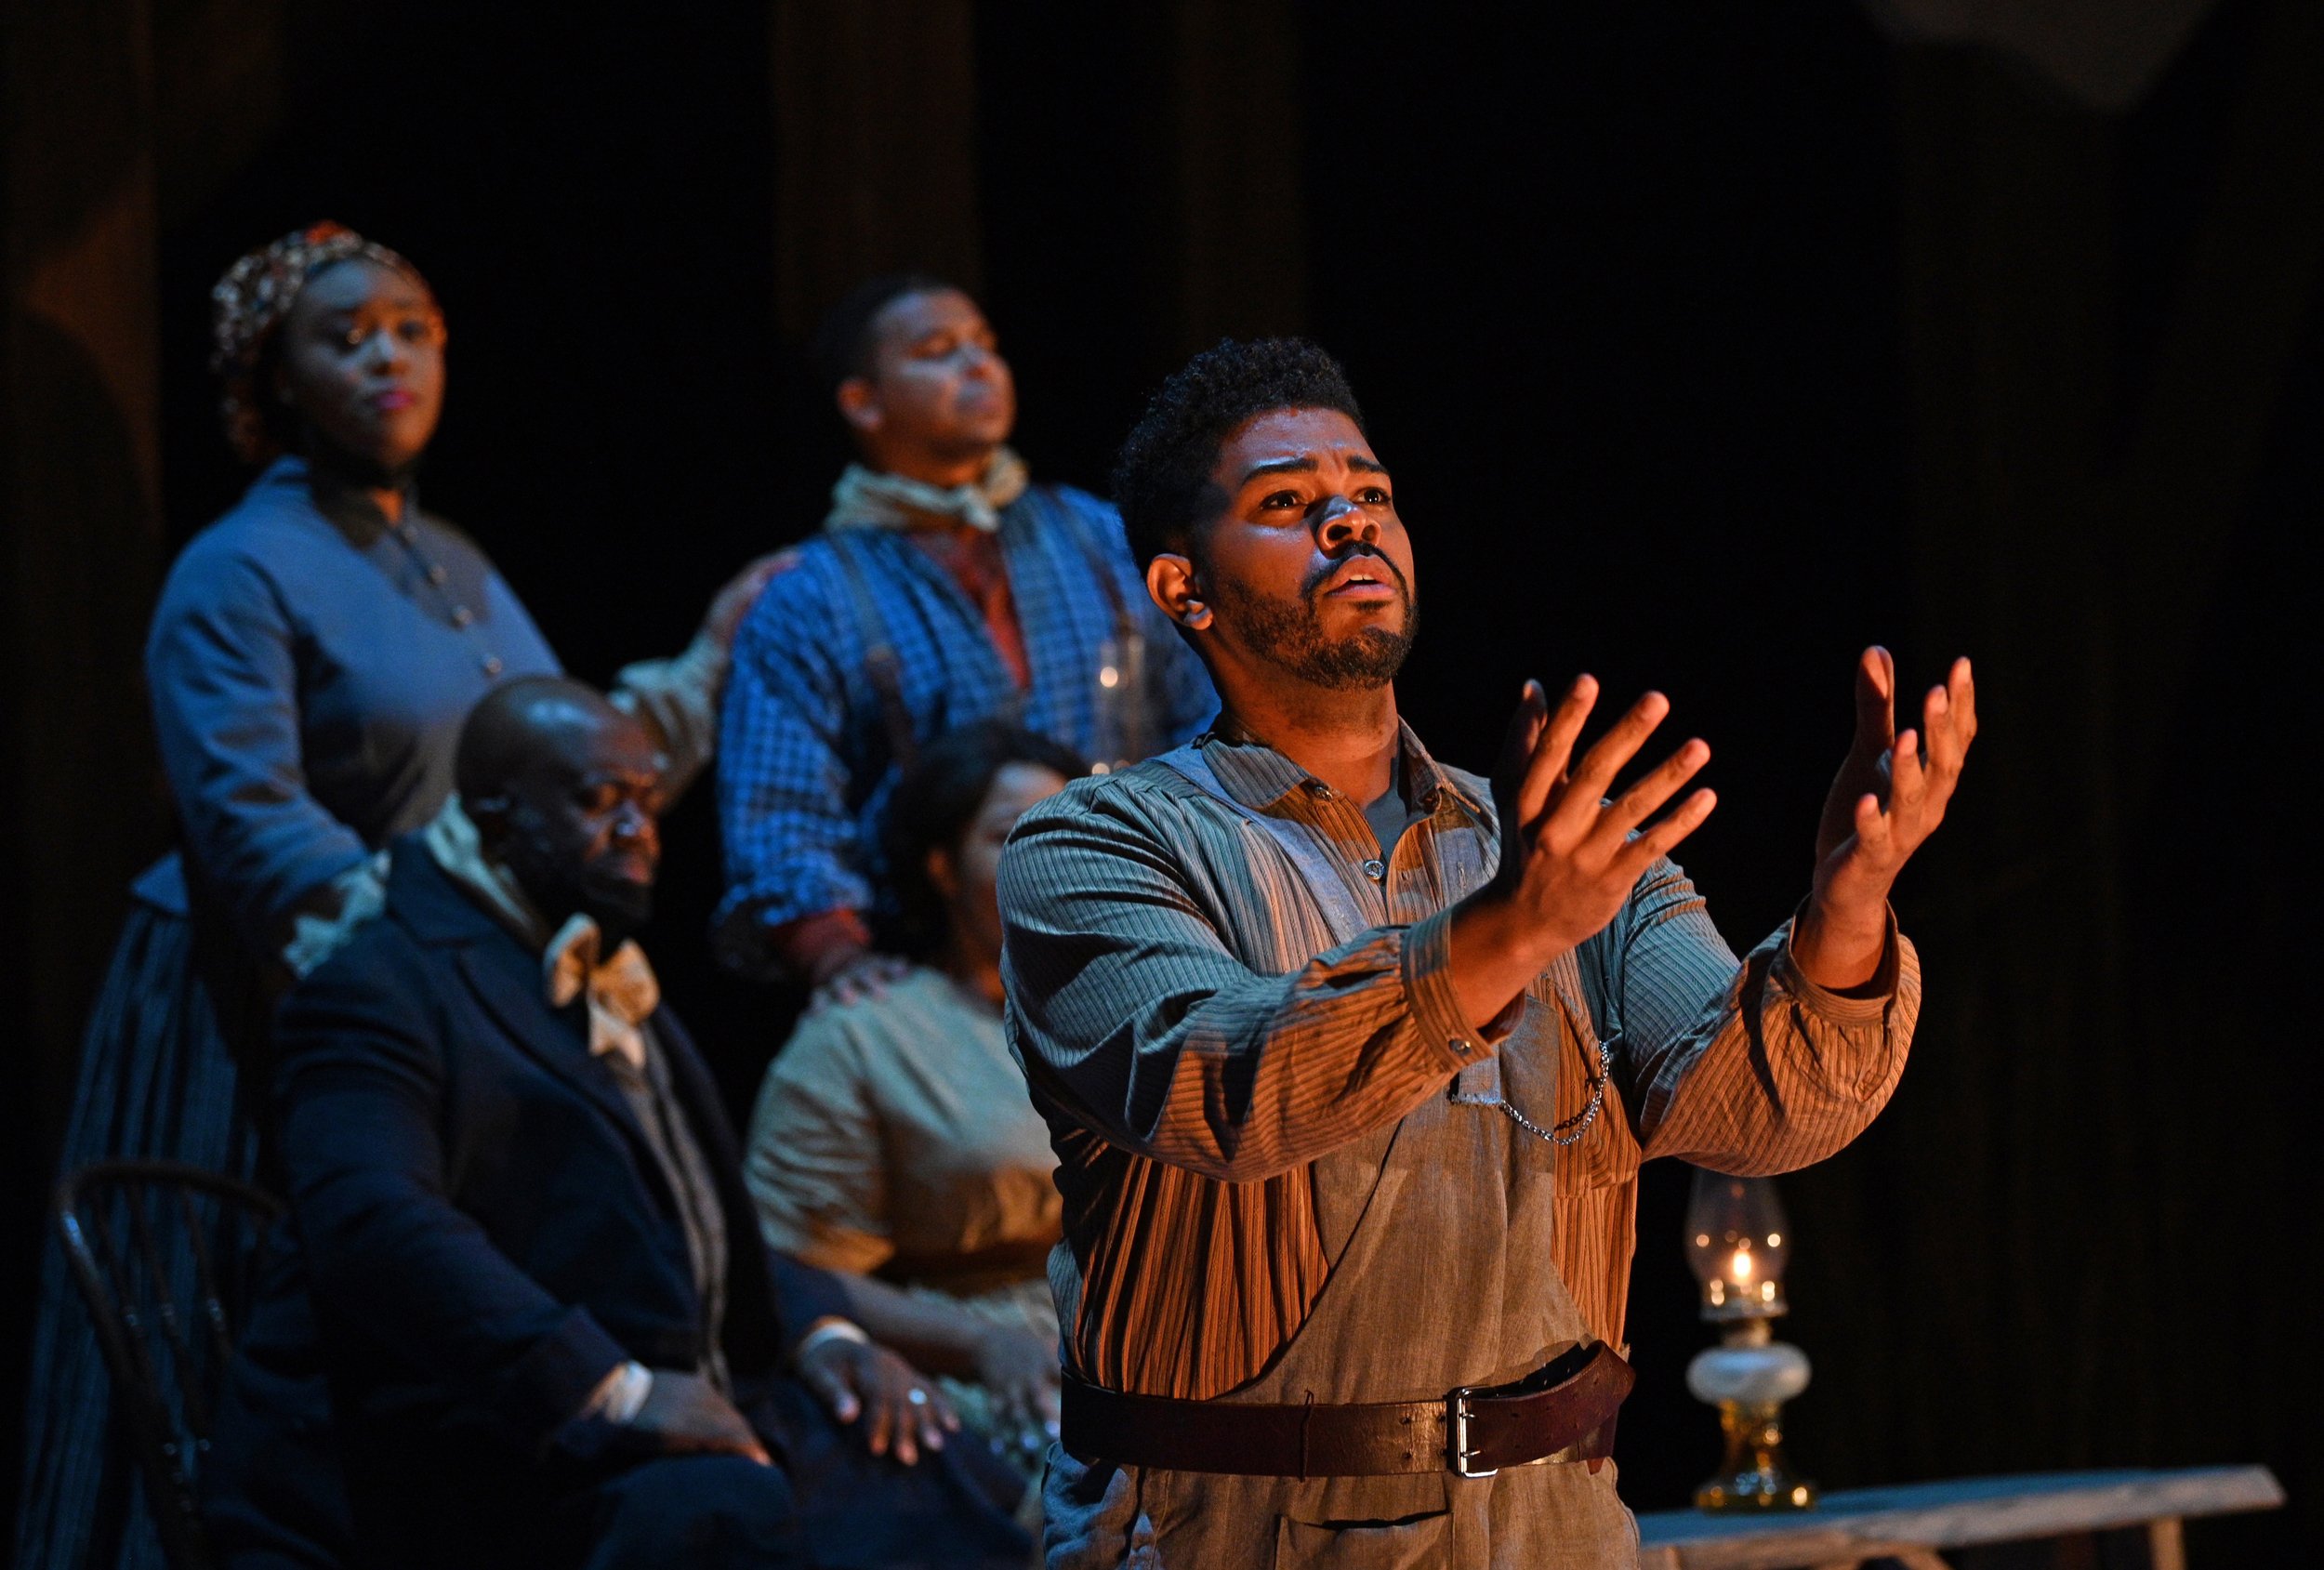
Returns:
<point x="1890" y="796"/>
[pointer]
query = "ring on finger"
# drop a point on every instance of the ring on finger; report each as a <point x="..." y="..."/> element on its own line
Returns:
<point x="917" y="1396"/>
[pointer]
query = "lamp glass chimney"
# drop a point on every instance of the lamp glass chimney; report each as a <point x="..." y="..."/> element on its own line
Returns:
<point x="1736" y="1242"/>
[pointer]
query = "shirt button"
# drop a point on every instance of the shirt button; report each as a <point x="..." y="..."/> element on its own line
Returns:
<point x="438" y="576"/>
<point x="492" y="664"/>
<point x="1376" y="870"/>
<point x="462" y="615"/>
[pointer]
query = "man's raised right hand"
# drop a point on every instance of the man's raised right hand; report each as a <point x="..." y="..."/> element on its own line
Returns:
<point x="1568" y="855"/>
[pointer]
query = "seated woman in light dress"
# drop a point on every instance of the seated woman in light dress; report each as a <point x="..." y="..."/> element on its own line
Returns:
<point x="893" y="1140"/>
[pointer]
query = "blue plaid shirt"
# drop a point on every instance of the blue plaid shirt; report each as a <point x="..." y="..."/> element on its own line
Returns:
<point x="805" y="763"/>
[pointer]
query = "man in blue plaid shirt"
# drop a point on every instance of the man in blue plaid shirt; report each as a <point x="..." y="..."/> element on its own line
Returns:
<point x="945" y="589"/>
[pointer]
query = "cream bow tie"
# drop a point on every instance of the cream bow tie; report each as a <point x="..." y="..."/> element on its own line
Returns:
<point x="621" y="991"/>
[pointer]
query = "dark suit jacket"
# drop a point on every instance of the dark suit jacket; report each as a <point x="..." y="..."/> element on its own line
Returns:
<point x="483" y="1230"/>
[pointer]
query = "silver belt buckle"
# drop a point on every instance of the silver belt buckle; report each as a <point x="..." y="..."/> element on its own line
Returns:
<point x="1457" y="1435"/>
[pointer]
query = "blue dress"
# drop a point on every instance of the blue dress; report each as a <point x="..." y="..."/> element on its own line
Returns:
<point x="310" y="666"/>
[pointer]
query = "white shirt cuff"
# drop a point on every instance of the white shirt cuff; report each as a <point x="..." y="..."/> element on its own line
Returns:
<point x="620" y="1395"/>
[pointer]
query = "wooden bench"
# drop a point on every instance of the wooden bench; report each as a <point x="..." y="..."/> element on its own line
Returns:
<point x="1909" y="1525"/>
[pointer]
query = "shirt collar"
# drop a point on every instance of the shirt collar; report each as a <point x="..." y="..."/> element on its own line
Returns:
<point x="1259" y="776"/>
<point x="451" y="840"/>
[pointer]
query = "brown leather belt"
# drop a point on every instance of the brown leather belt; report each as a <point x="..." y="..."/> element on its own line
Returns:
<point x="1561" y="1411"/>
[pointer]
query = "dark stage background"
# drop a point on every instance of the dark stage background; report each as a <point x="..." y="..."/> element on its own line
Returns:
<point x="1709" y="340"/>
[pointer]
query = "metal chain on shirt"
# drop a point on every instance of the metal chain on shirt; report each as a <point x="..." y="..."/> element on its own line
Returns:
<point x="1579" y="1123"/>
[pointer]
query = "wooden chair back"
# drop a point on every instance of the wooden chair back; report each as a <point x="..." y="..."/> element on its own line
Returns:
<point x="163" y="1254"/>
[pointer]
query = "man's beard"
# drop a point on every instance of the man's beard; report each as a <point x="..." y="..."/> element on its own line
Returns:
<point x="618" y="905"/>
<point x="1290" y="634"/>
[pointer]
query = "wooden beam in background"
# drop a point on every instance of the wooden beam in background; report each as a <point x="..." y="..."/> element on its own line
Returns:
<point x="875" y="104"/>
<point x="80" y="553"/>
<point x="1239" y="251"/>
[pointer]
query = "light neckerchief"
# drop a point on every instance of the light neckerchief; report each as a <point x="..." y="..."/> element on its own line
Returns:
<point x="620" y="989"/>
<point x="866" y="498"/>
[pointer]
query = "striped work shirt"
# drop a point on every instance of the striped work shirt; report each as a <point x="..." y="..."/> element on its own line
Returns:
<point x="1196" y="1040"/>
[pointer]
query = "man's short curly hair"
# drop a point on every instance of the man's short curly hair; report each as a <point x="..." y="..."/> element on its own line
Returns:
<point x="1162" y="479"/>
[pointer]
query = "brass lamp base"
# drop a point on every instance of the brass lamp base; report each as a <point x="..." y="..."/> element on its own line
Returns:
<point x="1749" y="1376"/>
<point x="1753" y="1474"/>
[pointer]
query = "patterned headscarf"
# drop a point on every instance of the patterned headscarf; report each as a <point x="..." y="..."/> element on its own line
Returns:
<point x="249" y="305"/>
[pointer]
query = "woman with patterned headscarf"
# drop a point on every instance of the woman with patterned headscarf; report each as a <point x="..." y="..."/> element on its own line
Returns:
<point x="310" y="661"/>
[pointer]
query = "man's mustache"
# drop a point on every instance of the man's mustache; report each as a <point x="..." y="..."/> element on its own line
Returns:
<point x="1315" y="580"/>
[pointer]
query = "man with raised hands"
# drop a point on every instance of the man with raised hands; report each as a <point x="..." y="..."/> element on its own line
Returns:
<point x="1351" y="1058"/>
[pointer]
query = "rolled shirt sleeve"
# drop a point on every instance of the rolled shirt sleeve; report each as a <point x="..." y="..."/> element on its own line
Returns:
<point x="1745" y="1067"/>
<point x="679" y="697"/>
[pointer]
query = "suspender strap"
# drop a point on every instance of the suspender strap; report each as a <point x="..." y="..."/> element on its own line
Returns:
<point x="1125" y="625"/>
<point x="881" y="665"/>
<point x="1130" y="639"/>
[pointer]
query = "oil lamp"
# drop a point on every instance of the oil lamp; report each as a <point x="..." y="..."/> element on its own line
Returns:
<point x="1736" y="1241"/>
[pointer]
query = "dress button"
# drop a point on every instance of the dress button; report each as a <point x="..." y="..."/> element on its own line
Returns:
<point x="462" y="615"/>
<point x="492" y="664"/>
<point x="438" y="576"/>
<point x="1376" y="870"/>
